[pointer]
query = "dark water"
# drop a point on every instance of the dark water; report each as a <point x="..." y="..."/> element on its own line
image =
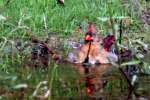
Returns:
<point x="79" y="82"/>
<point x="105" y="82"/>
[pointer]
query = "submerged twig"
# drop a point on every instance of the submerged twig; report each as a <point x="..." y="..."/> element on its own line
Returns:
<point x="119" y="59"/>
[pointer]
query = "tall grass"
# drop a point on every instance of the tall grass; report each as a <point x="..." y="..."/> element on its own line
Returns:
<point x="58" y="18"/>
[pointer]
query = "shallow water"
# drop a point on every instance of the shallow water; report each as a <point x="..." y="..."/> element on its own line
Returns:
<point x="71" y="81"/>
<point x="108" y="83"/>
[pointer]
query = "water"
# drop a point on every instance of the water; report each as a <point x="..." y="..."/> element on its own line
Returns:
<point x="105" y="82"/>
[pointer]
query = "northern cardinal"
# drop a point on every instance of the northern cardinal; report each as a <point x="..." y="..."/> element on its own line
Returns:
<point x="97" y="53"/>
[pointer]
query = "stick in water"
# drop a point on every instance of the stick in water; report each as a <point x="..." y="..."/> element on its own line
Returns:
<point x="87" y="57"/>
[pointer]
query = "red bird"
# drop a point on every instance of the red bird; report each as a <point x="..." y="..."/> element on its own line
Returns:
<point x="90" y="33"/>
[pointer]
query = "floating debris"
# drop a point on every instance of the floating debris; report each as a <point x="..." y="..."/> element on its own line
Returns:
<point x="41" y="90"/>
<point x="20" y="86"/>
<point x="145" y="17"/>
<point x="2" y="18"/>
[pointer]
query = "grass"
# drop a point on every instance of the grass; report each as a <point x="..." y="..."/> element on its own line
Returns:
<point x="60" y="19"/>
<point x="25" y="18"/>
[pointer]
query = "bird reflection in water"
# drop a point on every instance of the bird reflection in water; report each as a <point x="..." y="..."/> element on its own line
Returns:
<point x="92" y="75"/>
